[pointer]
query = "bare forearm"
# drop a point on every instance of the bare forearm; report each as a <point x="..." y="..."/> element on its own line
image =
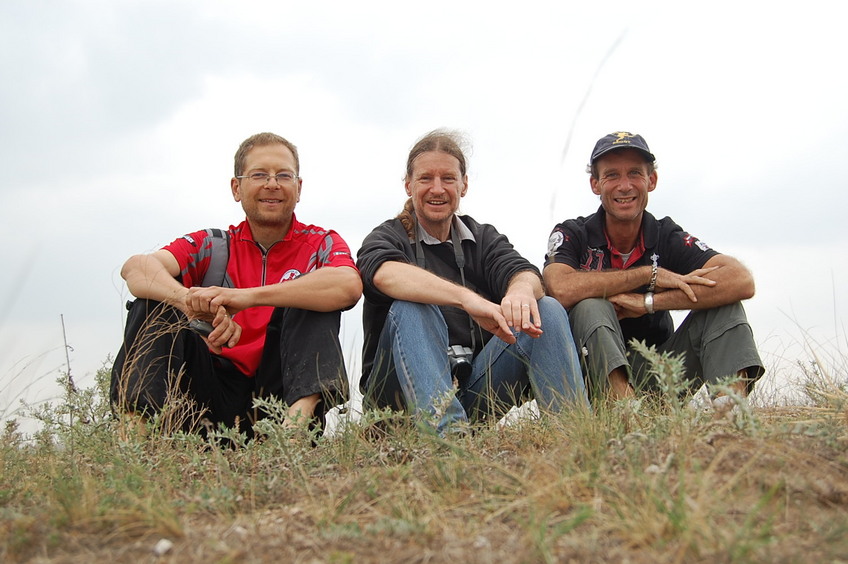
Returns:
<point x="403" y="281"/>
<point x="733" y="283"/>
<point x="325" y="289"/>
<point x="570" y="286"/>
<point x="530" y="279"/>
<point x="147" y="278"/>
<point x="407" y="282"/>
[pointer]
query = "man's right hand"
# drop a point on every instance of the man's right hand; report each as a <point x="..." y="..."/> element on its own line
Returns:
<point x="489" y="316"/>
<point x="200" y="302"/>
<point x="225" y="333"/>
<point x="668" y="280"/>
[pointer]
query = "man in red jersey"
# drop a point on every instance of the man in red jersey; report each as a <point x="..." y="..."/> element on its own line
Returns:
<point x="273" y="319"/>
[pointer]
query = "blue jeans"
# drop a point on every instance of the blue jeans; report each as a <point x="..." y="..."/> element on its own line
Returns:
<point x="412" y="371"/>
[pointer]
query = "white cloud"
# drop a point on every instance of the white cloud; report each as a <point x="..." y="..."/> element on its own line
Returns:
<point x="120" y="123"/>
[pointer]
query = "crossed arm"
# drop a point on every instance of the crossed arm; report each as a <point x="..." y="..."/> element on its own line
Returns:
<point x="722" y="280"/>
<point x="518" y="308"/>
<point x="154" y="276"/>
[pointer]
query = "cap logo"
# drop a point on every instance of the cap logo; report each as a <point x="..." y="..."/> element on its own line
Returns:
<point x="620" y="140"/>
<point x="622" y="137"/>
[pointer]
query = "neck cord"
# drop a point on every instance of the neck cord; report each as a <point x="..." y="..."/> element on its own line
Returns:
<point x="459" y="256"/>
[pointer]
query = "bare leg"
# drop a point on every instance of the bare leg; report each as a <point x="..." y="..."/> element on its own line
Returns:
<point x="302" y="410"/>
<point x="620" y="387"/>
<point x="739" y="387"/>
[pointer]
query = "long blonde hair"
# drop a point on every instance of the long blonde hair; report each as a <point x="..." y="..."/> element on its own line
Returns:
<point x="442" y="140"/>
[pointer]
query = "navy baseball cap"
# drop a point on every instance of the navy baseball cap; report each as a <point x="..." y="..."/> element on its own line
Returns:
<point x="621" y="140"/>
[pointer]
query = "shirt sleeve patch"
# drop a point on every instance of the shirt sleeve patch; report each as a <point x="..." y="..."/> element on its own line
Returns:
<point x="554" y="242"/>
<point x="690" y="240"/>
<point x="290" y="274"/>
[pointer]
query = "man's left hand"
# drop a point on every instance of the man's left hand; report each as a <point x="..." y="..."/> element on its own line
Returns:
<point x="628" y="305"/>
<point x="521" y="311"/>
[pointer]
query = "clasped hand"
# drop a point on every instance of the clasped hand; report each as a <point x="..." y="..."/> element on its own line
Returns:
<point x="213" y="304"/>
<point x="630" y="304"/>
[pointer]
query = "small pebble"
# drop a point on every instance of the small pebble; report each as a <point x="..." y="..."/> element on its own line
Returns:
<point x="162" y="547"/>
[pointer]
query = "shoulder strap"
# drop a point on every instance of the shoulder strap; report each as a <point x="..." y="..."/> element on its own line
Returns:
<point x="217" y="271"/>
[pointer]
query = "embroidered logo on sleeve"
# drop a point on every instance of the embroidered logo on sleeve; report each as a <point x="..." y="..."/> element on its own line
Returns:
<point x="554" y="242"/>
<point x="290" y="274"/>
<point x="690" y="240"/>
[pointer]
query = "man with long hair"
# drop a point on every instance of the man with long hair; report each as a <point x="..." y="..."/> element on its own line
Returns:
<point x="456" y="323"/>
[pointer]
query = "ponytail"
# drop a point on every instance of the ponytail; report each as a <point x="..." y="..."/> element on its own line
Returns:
<point x="407" y="218"/>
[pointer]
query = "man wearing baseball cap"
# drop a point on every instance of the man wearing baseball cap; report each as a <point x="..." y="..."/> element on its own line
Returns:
<point x="620" y="271"/>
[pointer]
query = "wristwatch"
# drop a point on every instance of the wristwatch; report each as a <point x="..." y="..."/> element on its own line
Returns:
<point x="649" y="302"/>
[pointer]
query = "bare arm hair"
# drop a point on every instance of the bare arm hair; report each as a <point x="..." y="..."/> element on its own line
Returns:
<point x="570" y="286"/>
<point x="154" y="276"/>
<point x="733" y="283"/>
<point x="324" y="289"/>
<point x="407" y="282"/>
<point x="721" y="281"/>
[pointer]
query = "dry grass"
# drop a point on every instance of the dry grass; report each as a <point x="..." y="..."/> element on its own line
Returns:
<point x="647" y="484"/>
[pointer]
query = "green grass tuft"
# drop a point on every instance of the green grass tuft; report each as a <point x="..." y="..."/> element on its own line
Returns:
<point x="652" y="481"/>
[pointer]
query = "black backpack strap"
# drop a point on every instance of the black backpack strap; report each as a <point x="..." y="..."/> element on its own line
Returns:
<point x="217" y="271"/>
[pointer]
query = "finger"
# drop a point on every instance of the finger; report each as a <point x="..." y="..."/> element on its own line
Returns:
<point x="211" y="343"/>
<point x="504" y="329"/>
<point x="688" y="291"/>
<point x="516" y="314"/>
<point x="233" y="332"/>
<point x="533" y="331"/>
<point x="507" y="307"/>
<point x="217" y="338"/>
<point x="506" y="336"/>
<point x="521" y="312"/>
<point x="188" y="299"/>
<point x="702" y="281"/>
<point x="492" y="326"/>
<point x="200" y="303"/>
<point x="526" y="314"/>
<point x="221" y="314"/>
<point x="222" y="332"/>
<point x="535" y="316"/>
<point x="236" y="335"/>
<point x="221" y="299"/>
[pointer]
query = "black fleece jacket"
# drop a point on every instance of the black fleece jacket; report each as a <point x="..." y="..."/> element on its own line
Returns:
<point x="490" y="264"/>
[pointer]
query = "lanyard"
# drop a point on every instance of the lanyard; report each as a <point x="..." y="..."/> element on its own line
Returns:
<point x="459" y="256"/>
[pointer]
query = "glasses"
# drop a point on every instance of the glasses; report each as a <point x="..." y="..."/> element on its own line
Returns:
<point x="264" y="177"/>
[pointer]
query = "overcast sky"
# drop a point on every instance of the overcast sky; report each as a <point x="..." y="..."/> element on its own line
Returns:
<point x="119" y="120"/>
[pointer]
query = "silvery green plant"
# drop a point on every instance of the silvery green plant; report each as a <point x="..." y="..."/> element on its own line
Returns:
<point x="669" y="372"/>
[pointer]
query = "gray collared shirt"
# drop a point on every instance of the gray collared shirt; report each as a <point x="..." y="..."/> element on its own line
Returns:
<point x="464" y="233"/>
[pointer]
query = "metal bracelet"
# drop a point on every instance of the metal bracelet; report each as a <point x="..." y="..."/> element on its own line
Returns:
<point x="654" y="271"/>
<point x="649" y="302"/>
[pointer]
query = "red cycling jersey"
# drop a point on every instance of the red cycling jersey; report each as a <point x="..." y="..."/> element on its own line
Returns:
<point x="304" y="248"/>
